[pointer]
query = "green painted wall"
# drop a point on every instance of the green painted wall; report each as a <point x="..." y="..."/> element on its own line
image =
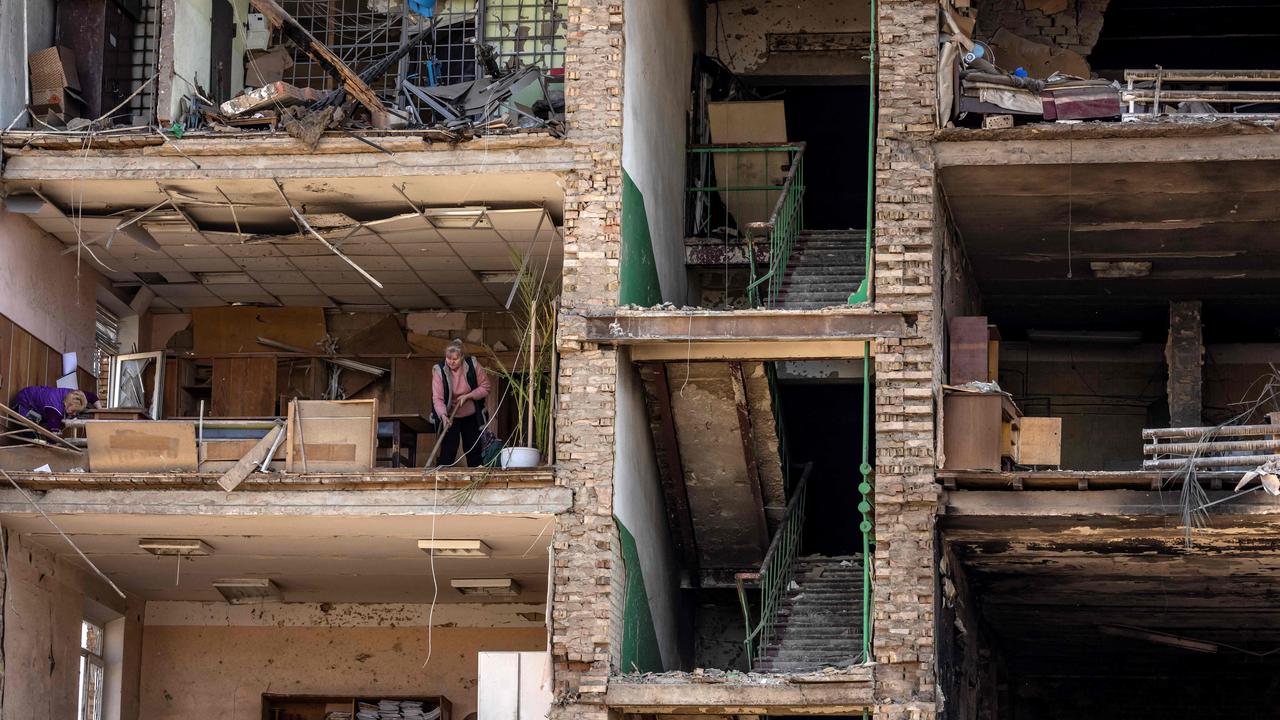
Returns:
<point x="639" y="269"/>
<point x="640" y="651"/>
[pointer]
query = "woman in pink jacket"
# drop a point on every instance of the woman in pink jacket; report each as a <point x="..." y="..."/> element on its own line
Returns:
<point x="458" y="389"/>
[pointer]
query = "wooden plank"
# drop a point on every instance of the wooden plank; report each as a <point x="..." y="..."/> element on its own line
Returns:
<point x="1039" y="441"/>
<point x="967" y="348"/>
<point x="234" y="329"/>
<point x="332" y="435"/>
<point x="7" y="388"/>
<point x="1203" y="75"/>
<point x="251" y="460"/>
<point x="142" y="446"/>
<point x="244" y="387"/>
<point x="973" y="422"/>
<point x="384" y="337"/>
<point x="15" y="417"/>
<point x="1172" y="96"/>
<point x="411" y="386"/>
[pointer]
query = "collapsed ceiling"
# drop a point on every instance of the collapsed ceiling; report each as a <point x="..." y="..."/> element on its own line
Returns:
<point x="353" y="243"/>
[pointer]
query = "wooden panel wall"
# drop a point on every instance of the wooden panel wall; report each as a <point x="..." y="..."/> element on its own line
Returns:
<point x="25" y="361"/>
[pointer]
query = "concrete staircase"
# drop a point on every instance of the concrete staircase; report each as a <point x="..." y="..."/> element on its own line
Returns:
<point x="820" y="622"/>
<point x="825" y="268"/>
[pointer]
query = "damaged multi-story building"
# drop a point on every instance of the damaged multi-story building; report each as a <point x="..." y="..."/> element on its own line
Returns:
<point x="898" y="359"/>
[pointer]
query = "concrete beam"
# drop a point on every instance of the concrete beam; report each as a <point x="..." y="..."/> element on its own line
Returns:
<point x="256" y="157"/>
<point x="1098" y="503"/>
<point x="774" y="326"/>
<point x="334" y="503"/>
<point x="1184" y="355"/>
<point x="1064" y="147"/>
<point x="794" y="698"/>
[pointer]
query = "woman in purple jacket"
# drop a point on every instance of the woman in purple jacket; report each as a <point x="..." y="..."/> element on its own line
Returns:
<point x="49" y="406"/>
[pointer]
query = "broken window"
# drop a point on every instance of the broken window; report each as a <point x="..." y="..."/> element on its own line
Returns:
<point x="92" y="669"/>
<point x="106" y="340"/>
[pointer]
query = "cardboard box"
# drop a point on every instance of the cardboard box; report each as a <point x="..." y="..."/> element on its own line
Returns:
<point x="55" y="86"/>
<point x="264" y="67"/>
<point x="1039" y="441"/>
<point x="53" y="68"/>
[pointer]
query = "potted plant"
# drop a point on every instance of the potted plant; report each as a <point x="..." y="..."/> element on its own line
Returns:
<point x="530" y="379"/>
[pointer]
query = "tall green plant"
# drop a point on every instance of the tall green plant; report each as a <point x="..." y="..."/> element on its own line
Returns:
<point x="532" y="385"/>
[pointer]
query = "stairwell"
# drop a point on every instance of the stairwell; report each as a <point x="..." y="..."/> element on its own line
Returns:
<point x="825" y="268"/>
<point x="820" y="622"/>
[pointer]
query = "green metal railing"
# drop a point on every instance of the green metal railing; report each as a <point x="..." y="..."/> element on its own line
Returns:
<point x="865" y="507"/>
<point x="774" y="574"/>
<point x="746" y="186"/>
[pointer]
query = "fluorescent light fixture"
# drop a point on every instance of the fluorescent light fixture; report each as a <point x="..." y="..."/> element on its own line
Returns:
<point x="472" y="217"/>
<point x="491" y="587"/>
<point x="139" y="234"/>
<point x="1109" y="337"/>
<point x="23" y="204"/>
<point x="175" y="546"/>
<point x="248" y="591"/>
<point x="1127" y="631"/>
<point x="455" y="548"/>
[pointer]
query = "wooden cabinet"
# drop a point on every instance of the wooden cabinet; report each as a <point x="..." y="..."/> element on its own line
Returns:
<point x="975" y="429"/>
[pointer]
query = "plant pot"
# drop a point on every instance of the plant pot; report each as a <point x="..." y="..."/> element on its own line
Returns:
<point x="520" y="457"/>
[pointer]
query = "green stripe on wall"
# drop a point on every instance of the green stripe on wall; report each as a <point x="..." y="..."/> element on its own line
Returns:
<point x="639" y="268"/>
<point x="640" y="651"/>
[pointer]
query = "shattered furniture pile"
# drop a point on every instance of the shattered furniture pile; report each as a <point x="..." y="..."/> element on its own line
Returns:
<point x="381" y="94"/>
<point x="1012" y="75"/>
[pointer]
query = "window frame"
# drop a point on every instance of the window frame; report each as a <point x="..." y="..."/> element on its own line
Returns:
<point x="90" y="658"/>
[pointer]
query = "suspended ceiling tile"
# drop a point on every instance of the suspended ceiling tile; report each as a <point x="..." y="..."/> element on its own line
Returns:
<point x="339" y="291"/>
<point x="431" y="276"/>
<point x="272" y="264"/>
<point x="403" y="290"/>
<point x="242" y="293"/>
<point x="184" y="291"/>
<point x="278" y="289"/>
<point x="320" y="262"/>
<point x="370" y="248"/>
<point x="153" y="263"/>
<point x="465" y="302"/>
<point x="497" y="264"/>
<point x="211" y="264"/>
<point x="194" y="250"/>
<point x="307" y="300"/>
<point x="517" y="219"/>
<point x="278" y="276"/>
<point x="453" y="288"/>
<point x="371" y="263"/>
<point x="441" y="261"/>
<point x="337" y="277"/>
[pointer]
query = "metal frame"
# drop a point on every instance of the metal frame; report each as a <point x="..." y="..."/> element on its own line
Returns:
<point x="89" y="658"/>
<point x="157" y="396"/>
<point x="785" y="222"/>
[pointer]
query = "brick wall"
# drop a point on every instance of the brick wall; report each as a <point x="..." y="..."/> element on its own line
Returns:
<point x="586" y="615"/>
<point x="907" y="370"/>
<point x="1076" y="28"/>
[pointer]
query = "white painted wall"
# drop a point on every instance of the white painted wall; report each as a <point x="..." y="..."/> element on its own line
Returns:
<point x="40" y="290"/>
<point x="661" y="39"/>
<point x="41" y="18"/>
<point x="638" y="502"/>
<point x="191" y="35"/>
